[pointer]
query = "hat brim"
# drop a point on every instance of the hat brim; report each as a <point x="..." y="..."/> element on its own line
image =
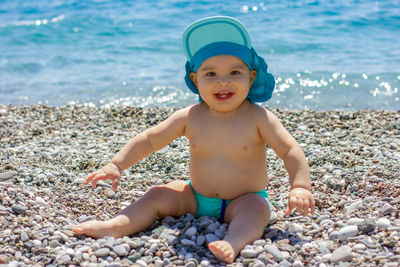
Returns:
<point x="213" y="30"/>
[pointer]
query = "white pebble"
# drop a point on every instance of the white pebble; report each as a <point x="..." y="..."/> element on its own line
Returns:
<point x="383" y="223"/>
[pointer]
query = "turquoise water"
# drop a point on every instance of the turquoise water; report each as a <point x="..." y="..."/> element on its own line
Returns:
<point x="324" y="54"/>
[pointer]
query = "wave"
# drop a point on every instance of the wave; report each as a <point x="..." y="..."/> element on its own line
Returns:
<point x="36" y="22"/>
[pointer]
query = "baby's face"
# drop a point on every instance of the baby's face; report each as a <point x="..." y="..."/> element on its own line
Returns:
<point x="223" y="82"/>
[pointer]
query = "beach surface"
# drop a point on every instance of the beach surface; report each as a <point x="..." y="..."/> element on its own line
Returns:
<point x="46" y="152"/>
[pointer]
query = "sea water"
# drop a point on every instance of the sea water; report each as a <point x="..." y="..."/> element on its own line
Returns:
<point x="338" y="54"/>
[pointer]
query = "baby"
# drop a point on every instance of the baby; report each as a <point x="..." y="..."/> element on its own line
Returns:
<point x="228" y="134"/>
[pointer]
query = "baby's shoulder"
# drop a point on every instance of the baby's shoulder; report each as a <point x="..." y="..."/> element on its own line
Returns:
<point x="262" y="115"/>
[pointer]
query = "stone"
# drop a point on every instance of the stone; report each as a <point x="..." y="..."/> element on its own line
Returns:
<point x="297" y="263"/>
<point x="348" y="231"/>
<point x="102" y="252"/>
<point x="295" y="228"/>
<point x="191" y="231"/>
<point x="54" y="243"/>
<point x="248" y="253"/>
<point x="368" y="225"/>
<point x="383" y="223"/>
<point x="274" y="251"/>
<point x="24" y="236"/>
<point x="342" y="253"/>
<point x="187" y="242"/>
<point x="200" y="240"/>
<point x="387" y="209"/>
<point x="353" y="207"/>
<point x="5" y="176"/>
<point x="19" y="208"/>
<point x="120" y="250"/>
<point x="211" y="238"/>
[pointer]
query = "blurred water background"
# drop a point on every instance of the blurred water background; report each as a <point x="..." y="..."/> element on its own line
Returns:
<point x="342" y="54"/>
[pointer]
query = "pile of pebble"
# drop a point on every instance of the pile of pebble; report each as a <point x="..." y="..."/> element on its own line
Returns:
<point x="45" y="153"/>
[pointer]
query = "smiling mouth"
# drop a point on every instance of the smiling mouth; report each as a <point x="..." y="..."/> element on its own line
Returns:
<point x="222" y="96"/>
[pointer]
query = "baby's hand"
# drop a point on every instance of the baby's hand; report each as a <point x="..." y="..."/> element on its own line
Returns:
<point x="108" y="172"/>
<point x="301" y="199"/>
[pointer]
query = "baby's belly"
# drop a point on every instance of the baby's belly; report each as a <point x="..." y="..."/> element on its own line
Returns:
<point x="228" y="181"/>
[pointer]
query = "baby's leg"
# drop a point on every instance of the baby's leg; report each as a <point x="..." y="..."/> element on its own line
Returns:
<point x="248" y="216"/>
<point x="174" y="199"/>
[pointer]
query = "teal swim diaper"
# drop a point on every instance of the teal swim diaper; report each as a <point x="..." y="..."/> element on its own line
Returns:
<point x="215" y="207"/>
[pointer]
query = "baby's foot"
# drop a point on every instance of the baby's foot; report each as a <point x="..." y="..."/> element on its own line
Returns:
<point x="222" y="250"/>
<point x="95" y="229"/>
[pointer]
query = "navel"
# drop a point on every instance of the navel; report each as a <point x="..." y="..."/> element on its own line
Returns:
<point x="245" y="148"/>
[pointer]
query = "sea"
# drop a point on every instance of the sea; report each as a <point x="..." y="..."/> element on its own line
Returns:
<point x="324" y="54"/>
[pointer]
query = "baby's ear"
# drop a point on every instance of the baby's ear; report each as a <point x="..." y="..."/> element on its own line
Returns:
<point x="193" y="77"/>
<point x="253" y="75"/>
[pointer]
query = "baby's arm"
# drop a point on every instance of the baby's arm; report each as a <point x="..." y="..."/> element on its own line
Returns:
<point x="141" y="146"/>
<point x="286" y="147"/>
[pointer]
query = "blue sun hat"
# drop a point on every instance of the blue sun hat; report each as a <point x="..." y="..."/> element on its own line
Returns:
<point x="221" y="35"/>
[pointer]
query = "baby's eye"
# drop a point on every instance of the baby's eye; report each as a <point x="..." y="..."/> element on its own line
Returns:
<point x="235" y="72"/>
<point x="210" y="74"/>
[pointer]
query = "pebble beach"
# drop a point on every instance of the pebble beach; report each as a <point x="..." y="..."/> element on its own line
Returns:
<point x="46" y="152"/>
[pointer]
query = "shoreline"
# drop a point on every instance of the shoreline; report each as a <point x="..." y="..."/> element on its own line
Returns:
<point x="354" y="158"/>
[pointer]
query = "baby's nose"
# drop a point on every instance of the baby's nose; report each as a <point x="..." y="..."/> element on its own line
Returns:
<point x="224" y="79"/>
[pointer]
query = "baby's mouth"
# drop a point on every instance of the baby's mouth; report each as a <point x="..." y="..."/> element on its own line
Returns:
<point x="223" y="95"/>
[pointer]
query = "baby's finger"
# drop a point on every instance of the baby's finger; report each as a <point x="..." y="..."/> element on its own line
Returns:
<point x="292" y="204"/>
<point x="115" y="184"/>
<point x="305" y="208"/>
<point x="98" y="177"/>
<point x="312" y="206"/>
<point x="89" y="177"/>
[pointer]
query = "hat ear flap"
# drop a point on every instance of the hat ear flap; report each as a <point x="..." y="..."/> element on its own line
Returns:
<point x="189" y="81"/>
<point x="264" y="82"/>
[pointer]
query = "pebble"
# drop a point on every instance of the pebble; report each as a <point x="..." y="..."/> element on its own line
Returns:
<point x="383" y="223"/>
<point x="191" y="231"/>
<point x="368" y="225"/>
<point x="5" y="176"/>
<point x="19" y="208"/>
<point x="295" y="228"/>
<point x="348" y="231"/>
<point x="102" y="252"/>
<point x="387" y="209"/>
<point x="342" y="253"/>
<point x="120" y="250"/>
<point x="274" y="251"/>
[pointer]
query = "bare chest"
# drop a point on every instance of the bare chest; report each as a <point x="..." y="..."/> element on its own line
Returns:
<point x="229" y="139"/>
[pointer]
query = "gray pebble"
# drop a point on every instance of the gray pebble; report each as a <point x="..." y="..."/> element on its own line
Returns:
<point x="200" y="240"/>
<point x="295" y="228"/>
<point x="248" y="253"/>
<point x="5" y="176"/>
<point x="187" y="242"/>
<point x="383" y="223"/>
<point x="191" y="231"/>
<point x="298" y="264"/>
<point x="353" y="207"/>
<point x="342" y="253"/>
<point x="211" y="238"/>
<point x="387" y="209"/>
<point x="367" y="226"/>
<point x="19" y="208"/>
<point x="54" y="243"/>
<point x="64" y="259"/>
<point x="102" y="252"/>
<point x="24" y="236"/>
<point x="274" y="251"/>
<point x="120" y="250"/>
<point x="348" y="231"/>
